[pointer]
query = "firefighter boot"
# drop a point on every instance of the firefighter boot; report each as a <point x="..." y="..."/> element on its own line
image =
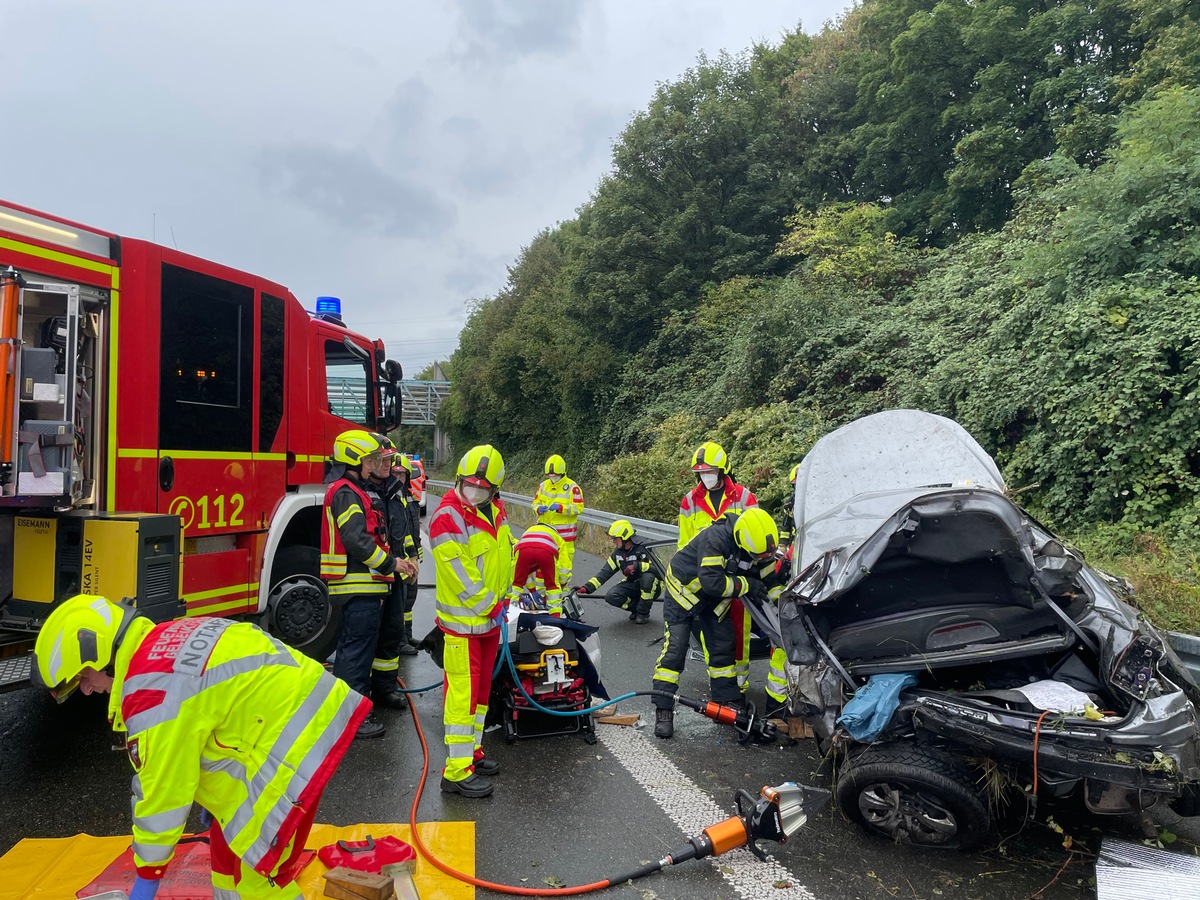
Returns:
<point x="664" y="723"/>
<point x="371" y="727"/>
<point x="407" y="648"/>
<point x="472" y="787"/>
<point x="642" y="616"/>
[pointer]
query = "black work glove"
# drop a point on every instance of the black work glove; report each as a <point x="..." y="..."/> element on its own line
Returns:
<point x="757" y="592"/>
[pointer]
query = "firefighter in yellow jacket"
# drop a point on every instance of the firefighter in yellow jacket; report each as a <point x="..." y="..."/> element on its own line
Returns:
<point x="472" y="549"/>
<point x="218" y="713"/>
<point x="559" y="503"/>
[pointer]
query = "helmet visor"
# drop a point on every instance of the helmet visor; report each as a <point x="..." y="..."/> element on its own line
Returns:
<point x="66" y="689"/>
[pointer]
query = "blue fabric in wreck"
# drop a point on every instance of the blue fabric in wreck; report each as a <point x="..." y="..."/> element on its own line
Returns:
<point x="868" y="713"/>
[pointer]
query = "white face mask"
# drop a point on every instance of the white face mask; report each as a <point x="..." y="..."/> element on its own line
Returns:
<point x="475" y="496"/>
<point x="554" y="479"/>
<point x="710" y="480"/>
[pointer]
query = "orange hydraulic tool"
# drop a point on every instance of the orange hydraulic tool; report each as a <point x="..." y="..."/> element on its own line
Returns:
<point x="10" y="285"/>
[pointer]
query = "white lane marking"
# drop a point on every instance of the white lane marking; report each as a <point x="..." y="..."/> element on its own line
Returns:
<point x="693" y="810"/>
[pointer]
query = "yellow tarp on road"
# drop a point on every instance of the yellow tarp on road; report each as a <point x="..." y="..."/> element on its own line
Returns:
<point x="55" y="868"/>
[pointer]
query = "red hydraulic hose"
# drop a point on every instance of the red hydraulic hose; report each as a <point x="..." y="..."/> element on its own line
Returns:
<point x="479" y="882"/>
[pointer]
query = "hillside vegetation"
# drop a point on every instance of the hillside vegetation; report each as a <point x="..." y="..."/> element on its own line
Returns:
<point x="987" y="210"/>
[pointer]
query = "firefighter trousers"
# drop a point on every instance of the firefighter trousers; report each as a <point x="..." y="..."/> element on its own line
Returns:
<point x="357" y="640"/>
<point x="717" y="638"/>
<point x="386" y="665"/>
<point x="468" y="662"/>
<point x="635" y="594"/>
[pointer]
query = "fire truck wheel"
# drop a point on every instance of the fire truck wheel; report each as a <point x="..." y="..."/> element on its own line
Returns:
<point x="298" y="609"/>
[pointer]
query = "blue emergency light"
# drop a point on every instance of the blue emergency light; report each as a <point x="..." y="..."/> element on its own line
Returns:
<point x="330" y="306"/>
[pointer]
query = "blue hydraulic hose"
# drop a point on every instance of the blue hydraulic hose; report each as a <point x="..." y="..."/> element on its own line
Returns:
<point x="506" y="655"/>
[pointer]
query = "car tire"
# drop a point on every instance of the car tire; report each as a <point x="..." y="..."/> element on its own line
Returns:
<point x="299" y="611"/>
<point x="913" y="795"/>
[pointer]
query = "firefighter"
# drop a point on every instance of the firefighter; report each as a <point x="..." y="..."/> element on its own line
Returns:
<point x="538" y="558"/>
<point x="777" y="705"/>
<point x="414" y="509"/>
<point x="356" y="560"/>
<point x="219" y="714"/>
<point x="472" y="549"/>
<point x="787" y="520"/>
<point x="558" y="503"/>
<point x="734" y="557"/>
<point x="632" y="558"/>
<point x="395" y="617"/>
<point x="716" y="495"/>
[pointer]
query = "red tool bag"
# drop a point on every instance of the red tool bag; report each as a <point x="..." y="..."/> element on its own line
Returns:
<point x="366" y="856"/>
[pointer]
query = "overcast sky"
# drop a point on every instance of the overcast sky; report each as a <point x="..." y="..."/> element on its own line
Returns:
<point x="396" y="154"/>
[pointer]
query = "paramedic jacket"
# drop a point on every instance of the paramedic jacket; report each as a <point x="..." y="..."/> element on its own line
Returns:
<point x="474" y="558"/>
<point x="697" y="512"/>
<point x="221" y="714"/>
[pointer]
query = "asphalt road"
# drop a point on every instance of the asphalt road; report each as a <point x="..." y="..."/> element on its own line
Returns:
<point x="566" y="811"/>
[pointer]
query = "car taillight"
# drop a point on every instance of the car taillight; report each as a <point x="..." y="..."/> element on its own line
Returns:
<point x="1134" y="669"/>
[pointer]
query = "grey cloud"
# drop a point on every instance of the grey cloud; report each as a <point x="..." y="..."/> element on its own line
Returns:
<point x="503" y="30"/>
<point x="347" y="187"/>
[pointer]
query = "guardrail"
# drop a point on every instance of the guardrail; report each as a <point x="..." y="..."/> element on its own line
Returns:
<point x="652" y="531"/>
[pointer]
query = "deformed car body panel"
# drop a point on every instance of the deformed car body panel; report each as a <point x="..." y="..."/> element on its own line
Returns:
<point x="910" y="558"/>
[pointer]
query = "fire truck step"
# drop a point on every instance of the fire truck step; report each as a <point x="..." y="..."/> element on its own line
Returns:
<point x="15" y="671"/>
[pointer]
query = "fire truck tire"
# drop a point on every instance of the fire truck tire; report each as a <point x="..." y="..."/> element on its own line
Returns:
<point x="298" y="609"/>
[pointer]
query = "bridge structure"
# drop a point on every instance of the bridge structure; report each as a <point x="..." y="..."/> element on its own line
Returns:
<point x="418" y="402"/>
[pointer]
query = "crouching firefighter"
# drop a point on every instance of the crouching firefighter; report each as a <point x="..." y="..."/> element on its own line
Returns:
<point x="217" y="713"/>
<point x="733" y="557"/>
<point x="643" y="573"/>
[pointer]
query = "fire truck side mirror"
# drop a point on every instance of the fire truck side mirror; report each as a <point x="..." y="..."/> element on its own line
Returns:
<point x="394" y="372"/>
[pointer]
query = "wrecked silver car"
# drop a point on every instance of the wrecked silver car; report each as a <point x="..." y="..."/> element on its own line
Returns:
<point x="983" y="655"/>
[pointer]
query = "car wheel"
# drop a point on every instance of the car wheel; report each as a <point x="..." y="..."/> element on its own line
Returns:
<point x="299" y="612"/>
<point x="914" y="796"/>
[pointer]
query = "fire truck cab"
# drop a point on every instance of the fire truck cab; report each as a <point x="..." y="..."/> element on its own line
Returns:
<point x="164" y="427"/>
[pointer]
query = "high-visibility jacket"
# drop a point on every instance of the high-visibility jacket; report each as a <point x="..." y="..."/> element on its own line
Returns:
<point x="565" y="500"/>
<point x="473" y="555"/>
<point x="221" y="714"/>
<point x="712" y="569"/>
<point x="697" y="512"/>
<point x="355" y="555"/>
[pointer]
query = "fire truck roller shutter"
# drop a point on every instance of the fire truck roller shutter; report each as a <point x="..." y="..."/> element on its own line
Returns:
<point x="298" y="609"/>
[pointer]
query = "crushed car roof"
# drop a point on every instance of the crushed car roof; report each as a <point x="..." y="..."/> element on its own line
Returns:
<point x="879" y="462"/>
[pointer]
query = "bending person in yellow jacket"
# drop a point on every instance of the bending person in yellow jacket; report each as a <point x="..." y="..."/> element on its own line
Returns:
<point x="559" y="503"/>
<point x="217" y="713"/>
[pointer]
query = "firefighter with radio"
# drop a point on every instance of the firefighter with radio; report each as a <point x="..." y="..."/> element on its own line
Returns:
<point x="216" y="713"/>
<point x="643" y="573"/>
<point x="357" y="563"/>
<point x="732" y="558"/>
<point x="472" y="549"/>
<point x="536" y="566"/>
<point x="558" y="503"/>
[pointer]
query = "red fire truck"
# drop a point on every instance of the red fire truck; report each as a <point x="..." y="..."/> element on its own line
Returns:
<point x="164" y="426"/>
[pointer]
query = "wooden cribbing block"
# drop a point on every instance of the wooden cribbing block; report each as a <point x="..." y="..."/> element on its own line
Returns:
<point x="345" y="883"/>
<point x="619" y="719"/>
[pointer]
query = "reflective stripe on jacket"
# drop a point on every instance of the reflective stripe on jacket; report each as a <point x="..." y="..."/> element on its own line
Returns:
<point x="712" y="569"/>
<point x="569" y="496"/>
<point x="355" y="557"/>
<point x="221" y="714"/>
<point x="696" y="510"/>
<point x="473" y="556"/>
